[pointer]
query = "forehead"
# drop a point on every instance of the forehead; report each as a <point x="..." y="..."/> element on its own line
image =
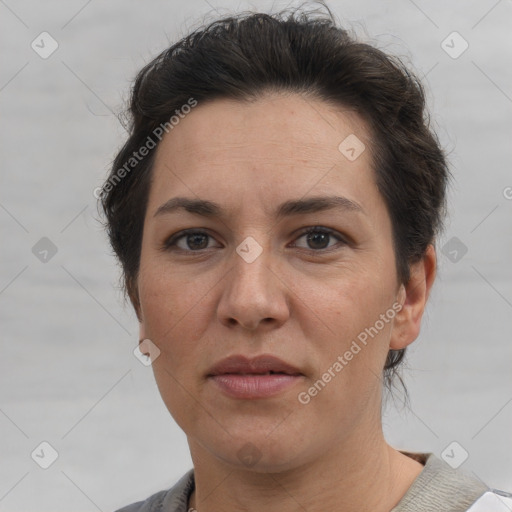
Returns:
<point x="276" y="121"/>
<point x="277" y="145"/>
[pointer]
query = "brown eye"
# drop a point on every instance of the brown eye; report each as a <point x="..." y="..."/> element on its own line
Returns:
<point x="197" y="240"/>
<point x="188" y="241"/>
<point x="319" y="238"/>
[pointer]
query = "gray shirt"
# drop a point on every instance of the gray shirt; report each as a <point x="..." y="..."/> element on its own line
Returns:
<point x="438" y="488"/>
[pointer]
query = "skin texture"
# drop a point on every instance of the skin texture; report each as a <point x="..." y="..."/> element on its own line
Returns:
<point x="303" y="302"/>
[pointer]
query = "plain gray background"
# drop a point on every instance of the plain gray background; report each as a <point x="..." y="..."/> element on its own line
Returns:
<point x="68" y="374"/>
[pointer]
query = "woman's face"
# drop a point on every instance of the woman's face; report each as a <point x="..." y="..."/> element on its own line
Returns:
<point x="250" y="282"/>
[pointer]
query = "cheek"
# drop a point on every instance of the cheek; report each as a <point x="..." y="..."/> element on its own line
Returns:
<point x="350" y="311"/>
<point x="173" y="313"/>
<point x="176" y="392"/>
<point x="355" y="300"/>
<point x="173" y="310"/>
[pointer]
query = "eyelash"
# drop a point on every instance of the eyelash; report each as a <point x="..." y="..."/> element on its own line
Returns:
<point x="170" y="243"/>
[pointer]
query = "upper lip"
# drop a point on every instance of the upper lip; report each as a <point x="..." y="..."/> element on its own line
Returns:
<point x="257" y="365"/>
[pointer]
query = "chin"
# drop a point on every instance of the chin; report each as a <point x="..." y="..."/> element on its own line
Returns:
<point x="257" y="452"/>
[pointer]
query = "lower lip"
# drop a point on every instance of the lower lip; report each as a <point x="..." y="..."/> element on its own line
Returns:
<point x="254" y="386"/>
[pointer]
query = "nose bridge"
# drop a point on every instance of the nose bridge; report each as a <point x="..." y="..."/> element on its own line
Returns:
<point x="252" y="293"/>
<point x="252" y="261"/>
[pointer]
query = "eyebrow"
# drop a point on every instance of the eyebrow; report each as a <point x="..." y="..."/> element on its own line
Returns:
<point x="207" y="208"/>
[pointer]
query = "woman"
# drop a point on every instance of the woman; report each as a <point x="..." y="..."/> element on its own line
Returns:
<point x="275" y="210"/>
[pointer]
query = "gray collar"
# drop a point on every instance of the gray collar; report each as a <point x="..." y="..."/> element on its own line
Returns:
<point x="437" y="487"/>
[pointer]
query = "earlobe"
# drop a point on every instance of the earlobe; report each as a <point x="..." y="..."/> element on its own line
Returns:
<point x="413" y="297"/>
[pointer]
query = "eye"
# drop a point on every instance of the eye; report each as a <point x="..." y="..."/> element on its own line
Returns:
<point x="318" y="238"/>
<point x="191" y="241"/>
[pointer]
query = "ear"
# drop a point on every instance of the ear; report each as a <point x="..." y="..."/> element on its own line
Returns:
<point x="134" y="298"/>
<point x="142" y="336"/>
<point x="413" y="297"/>
<point x="132" y="290"/>
<point x="142" y="331"/>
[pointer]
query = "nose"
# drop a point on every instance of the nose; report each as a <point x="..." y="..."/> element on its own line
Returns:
<point x="254" y="294"/>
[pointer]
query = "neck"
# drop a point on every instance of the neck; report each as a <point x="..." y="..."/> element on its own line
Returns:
<point x="363" y="475"/>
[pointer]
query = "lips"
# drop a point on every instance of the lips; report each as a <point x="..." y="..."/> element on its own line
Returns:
<point x="260" y="365"/>
<point x="262" y="377"/>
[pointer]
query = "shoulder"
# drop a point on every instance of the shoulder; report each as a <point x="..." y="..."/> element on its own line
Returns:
<point x="150" y="504"/>
<point x="174" y="499"/>
<point x="442" y="487"/>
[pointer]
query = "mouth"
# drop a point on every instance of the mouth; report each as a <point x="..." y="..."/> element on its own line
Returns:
<point x="250" y="386"/>
<point x="261" y="377"/>
<point x="265" y="364"/>
<point x="270" y="372"/>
